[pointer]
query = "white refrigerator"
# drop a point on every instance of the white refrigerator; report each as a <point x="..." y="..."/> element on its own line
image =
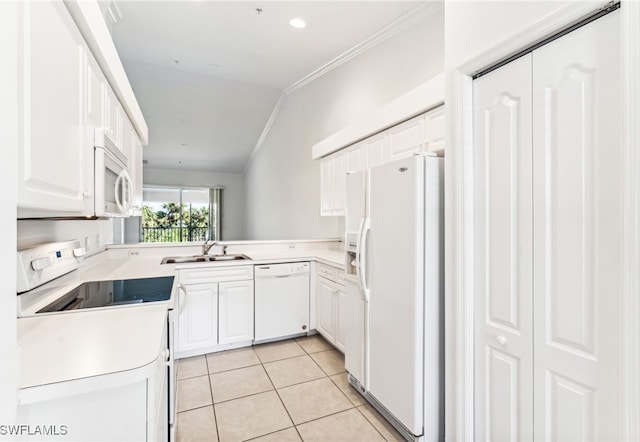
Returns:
<point x="394" y="252"/>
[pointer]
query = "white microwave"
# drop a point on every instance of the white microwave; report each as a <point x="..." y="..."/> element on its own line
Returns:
<point x="113" y="186"/>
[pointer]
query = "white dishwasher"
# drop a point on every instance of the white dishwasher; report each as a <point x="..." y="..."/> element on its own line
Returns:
<point x="281" y="300"/>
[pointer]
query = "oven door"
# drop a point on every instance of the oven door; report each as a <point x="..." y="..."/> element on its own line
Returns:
<point x="113" y="185"/>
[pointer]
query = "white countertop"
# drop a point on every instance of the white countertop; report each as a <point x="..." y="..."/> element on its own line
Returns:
<point x="84" y="344"/>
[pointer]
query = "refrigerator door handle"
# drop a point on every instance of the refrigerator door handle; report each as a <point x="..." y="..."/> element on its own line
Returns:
<point x="358" y="256"/>
<point x="366" y="226"/>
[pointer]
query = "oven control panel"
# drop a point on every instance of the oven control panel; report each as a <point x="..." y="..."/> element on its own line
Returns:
<point x="45" y="262"/>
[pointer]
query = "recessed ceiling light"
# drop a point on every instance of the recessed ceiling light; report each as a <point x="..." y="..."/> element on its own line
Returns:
<point x="297" y="23"/>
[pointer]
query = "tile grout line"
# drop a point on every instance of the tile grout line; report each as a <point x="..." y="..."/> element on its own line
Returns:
<point x="371" y="423"/>
<point x="213" y="405"/>
<point x="281" y="401"/>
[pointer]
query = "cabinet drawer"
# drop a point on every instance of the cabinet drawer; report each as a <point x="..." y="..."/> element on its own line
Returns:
<point x="340" y="276"/>
<point x="215" y="274"/>
<point x="326" y="271"/>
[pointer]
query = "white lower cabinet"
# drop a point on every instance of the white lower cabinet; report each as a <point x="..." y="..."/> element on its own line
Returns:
<point x="198" y="322"/>
<point x="235" y="303"/>
<point x="330" y="308"/>
<point x="216" y="306"/>
<point x="127" y="405"/>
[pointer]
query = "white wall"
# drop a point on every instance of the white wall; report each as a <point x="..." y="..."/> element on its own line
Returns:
<point x="473" y="27"/>
<point x="92" y="234"/>
<point x="233" y="222"/>
<point x="282" y="182"/>
<point x="9" y="367"/>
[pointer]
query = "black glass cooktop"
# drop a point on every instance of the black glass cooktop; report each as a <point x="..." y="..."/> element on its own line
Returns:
<point x="97" y="294"/>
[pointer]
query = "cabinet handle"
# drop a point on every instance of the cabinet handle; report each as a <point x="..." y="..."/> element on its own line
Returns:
<point x="183" y="304"/>
<point x="501" y="340"/>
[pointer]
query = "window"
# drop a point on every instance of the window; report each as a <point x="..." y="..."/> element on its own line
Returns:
<point x="181" y="214"/>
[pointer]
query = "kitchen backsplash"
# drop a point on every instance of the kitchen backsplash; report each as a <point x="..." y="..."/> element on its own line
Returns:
<point x="94" y="235"/>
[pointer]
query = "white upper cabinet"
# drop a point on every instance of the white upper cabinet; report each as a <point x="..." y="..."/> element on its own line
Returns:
<point x="332" y="185"/>
<point x="405" y="139"/>
<point x="95" y="90"/>
<point x="135" y="170"/>
<point x="63" y="98"/>
<point x="424" y="133"/>
<point x="375" y="150"/>
<point x="434" y="130"/>
<point x="113" y="122"/>
<point x="52" y="159"/>
<point x="355" y="158"/>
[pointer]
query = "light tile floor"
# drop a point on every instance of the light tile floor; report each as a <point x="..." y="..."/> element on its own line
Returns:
<point x="294" y="390"/>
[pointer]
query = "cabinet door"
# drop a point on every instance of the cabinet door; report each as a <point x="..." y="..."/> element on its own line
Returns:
<point x="578" y="187"/>
<point x="339" y="187"/>
<point x="127" y="141"/>
<point x="406" y="138"/>
<point x="326" y="187"/>
<point x="52" y="172"/>
<point x="434" y="130"/>
<point x="236" y="312"/>
<point x="94" y="93"/>
<point x="503" y="246"/>
<point x="113" y="118"/>
<point x="198" y="323"/>
<point x="375" y="151"/>
<point x="341" y="317"/>
<point x="325" y="323"/>
<point x="354" y="159"/>
<point x="136" y="171"/>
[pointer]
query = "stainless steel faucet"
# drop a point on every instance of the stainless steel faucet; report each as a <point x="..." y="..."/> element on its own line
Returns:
<point x="206" y="246"/>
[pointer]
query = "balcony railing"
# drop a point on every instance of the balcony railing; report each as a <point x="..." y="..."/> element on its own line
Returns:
<point x="174" y="234"/>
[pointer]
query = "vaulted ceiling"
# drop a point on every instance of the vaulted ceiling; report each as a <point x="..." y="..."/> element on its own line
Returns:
<point x="207" y="74"/>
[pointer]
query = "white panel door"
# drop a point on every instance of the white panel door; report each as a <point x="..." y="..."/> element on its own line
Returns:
<point x="394" y="268"/>
<point x="235" y="319"/>
<point x="503" y="232"/>
<point x="52" y="172"/>
<point x="577" y="177"/>
<point x="198" y="322"/>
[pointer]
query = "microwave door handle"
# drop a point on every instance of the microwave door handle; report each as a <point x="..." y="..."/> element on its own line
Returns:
<point x="127" y="194"/>
<point x="117" y="191"/>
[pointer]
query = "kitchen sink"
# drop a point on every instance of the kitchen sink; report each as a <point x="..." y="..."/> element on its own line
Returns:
<point x="203" y="258"/>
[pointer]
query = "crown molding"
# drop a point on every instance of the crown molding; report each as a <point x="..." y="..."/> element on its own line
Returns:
<point x="398" y="25"/>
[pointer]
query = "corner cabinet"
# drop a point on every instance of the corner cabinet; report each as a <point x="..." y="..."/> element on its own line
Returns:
<point x="330" y="304"/>
<point x="424" y="133"/>
<point x="52" y="163"/>
<point x="216" y="309"/>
